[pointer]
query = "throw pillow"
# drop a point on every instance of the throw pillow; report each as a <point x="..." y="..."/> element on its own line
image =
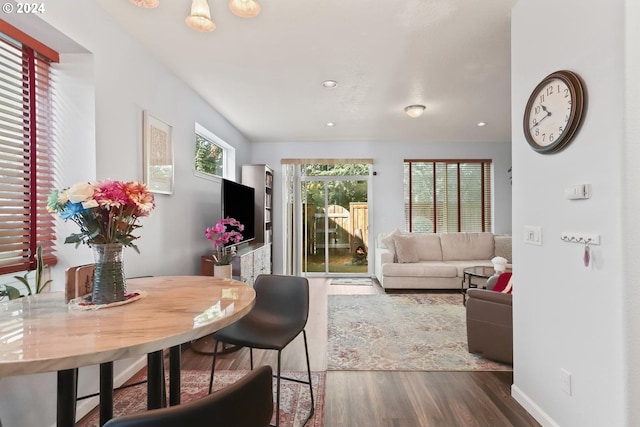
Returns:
<point x="504" y="284"/>
<point x="387" y="240"/>
<point x="406" y="248"/>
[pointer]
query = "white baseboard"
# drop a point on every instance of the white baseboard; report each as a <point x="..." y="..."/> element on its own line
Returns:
<point x="532" y="408"/>
<point x="87" y="405"/>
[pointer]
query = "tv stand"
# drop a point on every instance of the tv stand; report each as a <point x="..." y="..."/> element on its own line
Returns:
<point x="251" y="260"/>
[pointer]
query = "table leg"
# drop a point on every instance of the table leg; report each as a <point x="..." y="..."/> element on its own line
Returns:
<point x="155" y="379"/>
<point x="174" y="375"/>
<point x="106" y="392"/>
<point x="66" y="398"/>
<point x="464" y="296"/>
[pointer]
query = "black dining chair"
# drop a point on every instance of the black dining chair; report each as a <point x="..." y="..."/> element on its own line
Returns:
<point x="279" y="315"/>
<point x="245" y="403"/>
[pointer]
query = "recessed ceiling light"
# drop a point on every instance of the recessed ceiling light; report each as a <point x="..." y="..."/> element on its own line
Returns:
<point x="415" y="110"/>
<point x="331" y="124"/>
<point x="481" y="124"/>
<point x="330" y="83"/>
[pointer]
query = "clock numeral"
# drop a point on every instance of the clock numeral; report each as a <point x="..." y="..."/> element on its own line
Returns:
<point x="541" y="98"/>
<point x="566" y="118"/>
<point x="560" y="130"/>
<point x="551" y="137"/>
<point x="544" y="137"/>
<point x="566" y="92"/>
<point x="536" y="110"/>
<point x="537" y="132"/>
<point x="550" y="90"/>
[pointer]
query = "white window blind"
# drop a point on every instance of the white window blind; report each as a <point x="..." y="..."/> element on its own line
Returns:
<point x="447" y="195"/>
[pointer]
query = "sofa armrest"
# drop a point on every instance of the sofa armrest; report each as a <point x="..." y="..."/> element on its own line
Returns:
<point x="490" y="324"/>
<point x="383" y="256"/>
<point x="490" y="296"/>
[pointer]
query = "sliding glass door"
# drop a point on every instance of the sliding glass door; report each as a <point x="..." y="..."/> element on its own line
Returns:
<point x="335" y="220"/>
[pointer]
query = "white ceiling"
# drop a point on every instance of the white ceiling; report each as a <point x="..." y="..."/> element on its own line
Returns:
<point x="264" y="74"/>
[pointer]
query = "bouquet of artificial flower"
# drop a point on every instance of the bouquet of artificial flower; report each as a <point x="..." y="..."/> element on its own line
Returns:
<point x="106" y="211"/>
<point x="225" y="231"/>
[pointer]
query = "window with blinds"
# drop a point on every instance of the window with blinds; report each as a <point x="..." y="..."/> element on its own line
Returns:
<point x="447" y="195"/>
<point x="26" y="155"/>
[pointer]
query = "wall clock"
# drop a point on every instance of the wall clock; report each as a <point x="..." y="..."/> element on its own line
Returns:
<point x="554" y="112"/>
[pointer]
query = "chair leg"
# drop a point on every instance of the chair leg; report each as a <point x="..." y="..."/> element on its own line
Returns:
<point x="213" y="365"/>
<point x="251" y="358"/>
<point x="306" y="351"/>
<point x="278" y="391"/>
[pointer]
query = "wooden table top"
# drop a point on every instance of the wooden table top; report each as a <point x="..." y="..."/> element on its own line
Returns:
<point x="42" y="334"/>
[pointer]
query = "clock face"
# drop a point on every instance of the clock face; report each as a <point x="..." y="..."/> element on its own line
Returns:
<point x="554" y="112"/>
<point x="550" y="113"/>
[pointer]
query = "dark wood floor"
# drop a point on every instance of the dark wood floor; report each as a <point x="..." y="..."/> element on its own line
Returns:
<point x="381" y="398"/>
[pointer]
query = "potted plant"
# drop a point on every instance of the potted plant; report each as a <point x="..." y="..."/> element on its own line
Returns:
<point x="41" y="280"/>
<point x="225" y="234"/>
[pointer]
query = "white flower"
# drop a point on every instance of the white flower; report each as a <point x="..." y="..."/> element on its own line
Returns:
<point x="80" y="192"/>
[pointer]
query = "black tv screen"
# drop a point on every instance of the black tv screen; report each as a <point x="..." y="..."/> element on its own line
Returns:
<point x="238" y="202"/>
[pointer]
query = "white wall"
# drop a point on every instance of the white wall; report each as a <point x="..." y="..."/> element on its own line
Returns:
<point x="568" y="316"/>
<point x="387" y="206"/>
<point x="107" y="85"/>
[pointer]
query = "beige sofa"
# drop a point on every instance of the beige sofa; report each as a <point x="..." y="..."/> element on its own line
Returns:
<point x="434" y="261"/>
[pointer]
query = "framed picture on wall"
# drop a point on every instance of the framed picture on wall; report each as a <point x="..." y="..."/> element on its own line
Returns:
<point x="158" y="155"/>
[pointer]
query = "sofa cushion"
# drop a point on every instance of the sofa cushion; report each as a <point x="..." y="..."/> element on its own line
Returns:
<point x="387" y="242"/>
<point x="503" y="246"/>
<point x="428" y="246"/>
<point x="406" y="249"/>
<point x="387" y="239"/>
<point x="420" y="269"/>
<point x="467" y="246"/>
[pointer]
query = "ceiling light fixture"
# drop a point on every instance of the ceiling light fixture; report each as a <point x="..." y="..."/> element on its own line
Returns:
<point x="200" y="17"/>
<point x="245" y="8"/>
<point x="330" y="83"/>
<point x="415" y="110"/>
<point x="149" y="4"/>
<point x="481" y="124"/>
<point x="331" y="124"/>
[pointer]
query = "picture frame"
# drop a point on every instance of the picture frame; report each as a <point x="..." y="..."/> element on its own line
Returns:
<point x="157" y="154"/>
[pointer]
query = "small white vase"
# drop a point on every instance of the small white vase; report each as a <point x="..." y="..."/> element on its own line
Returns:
<point x="222" y="271"/>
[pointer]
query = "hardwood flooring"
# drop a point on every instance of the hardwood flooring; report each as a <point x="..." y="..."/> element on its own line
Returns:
<point x="382" y="398"/>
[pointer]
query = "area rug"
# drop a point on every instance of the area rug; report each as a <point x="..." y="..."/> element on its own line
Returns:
<point x="295" y="400"/>
<point x="353" y="281"/>
<point x="401" y="332"/>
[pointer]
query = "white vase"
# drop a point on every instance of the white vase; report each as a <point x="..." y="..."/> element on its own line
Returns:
<point x="222" y="271"/>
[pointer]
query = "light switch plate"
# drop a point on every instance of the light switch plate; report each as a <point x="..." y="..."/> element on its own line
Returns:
<point x="533" y="235"/>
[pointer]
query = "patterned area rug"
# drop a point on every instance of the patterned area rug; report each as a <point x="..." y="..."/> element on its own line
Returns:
<point x="401" y="332"/>
<point x="295" y="400"/>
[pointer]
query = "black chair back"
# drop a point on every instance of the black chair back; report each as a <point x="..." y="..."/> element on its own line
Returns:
<point x="246" y="403"/>
<point x="288" y="296"/>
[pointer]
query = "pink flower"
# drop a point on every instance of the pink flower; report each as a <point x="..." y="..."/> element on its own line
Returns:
<point x="225" y="231"/>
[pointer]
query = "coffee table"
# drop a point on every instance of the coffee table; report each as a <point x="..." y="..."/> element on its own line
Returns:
<point x="479" y="271"/>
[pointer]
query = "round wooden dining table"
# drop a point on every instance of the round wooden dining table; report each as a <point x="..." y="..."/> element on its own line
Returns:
<point x="42" y="333"/>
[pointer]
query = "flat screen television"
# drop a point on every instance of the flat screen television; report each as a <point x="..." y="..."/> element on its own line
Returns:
<point x="238" y="201"/>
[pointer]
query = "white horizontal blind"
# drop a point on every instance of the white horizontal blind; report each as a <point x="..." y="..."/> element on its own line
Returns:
<point x="447" y="195"/>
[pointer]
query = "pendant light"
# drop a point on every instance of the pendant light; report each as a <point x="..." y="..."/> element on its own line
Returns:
<point x="245" y="8"/>
<point x="200" y="17"/>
